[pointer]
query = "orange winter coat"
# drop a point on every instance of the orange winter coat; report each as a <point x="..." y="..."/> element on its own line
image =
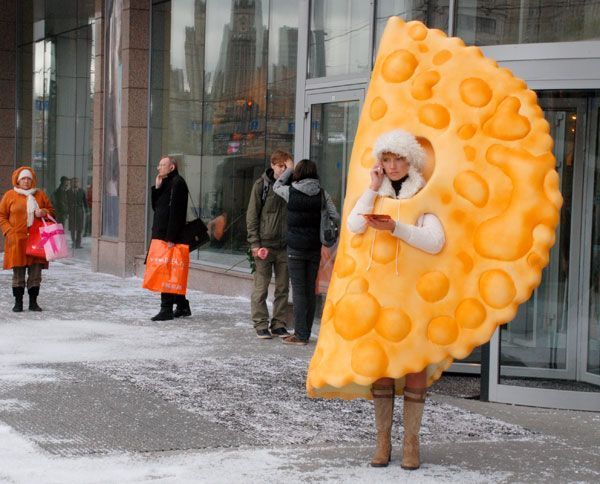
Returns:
<point x="13" y="222"/>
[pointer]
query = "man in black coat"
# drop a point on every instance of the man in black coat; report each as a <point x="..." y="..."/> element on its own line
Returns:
<point x="169" y="202"/>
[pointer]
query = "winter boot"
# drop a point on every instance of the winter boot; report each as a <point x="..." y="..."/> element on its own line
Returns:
<point x="414" y="402"/>
<point x="33" y="294"/>
<point x="383" y="398"/>
<point x="18" y="294"/>
<point x="166" y="308"/>
<point x="165" y="314"/>
<point x="182" y="309"/>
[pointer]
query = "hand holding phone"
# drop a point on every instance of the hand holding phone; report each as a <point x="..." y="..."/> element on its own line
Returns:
<point x="377" y="175"/>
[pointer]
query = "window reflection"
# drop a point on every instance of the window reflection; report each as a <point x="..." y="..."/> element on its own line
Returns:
<point x="493" y="22"/>
<point x="332" y="132"/>
<point x="223" y="97"/>
<point x="339" y="37"/>
<point x="433" y="13"/>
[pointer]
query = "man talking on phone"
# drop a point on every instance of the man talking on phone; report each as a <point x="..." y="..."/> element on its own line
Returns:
<point x="169" y="201"/>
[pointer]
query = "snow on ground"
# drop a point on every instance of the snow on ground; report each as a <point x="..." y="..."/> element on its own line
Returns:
<point x="21" y="461"/>
<point x="210" y="364"/>
<point x="265" y="398"/>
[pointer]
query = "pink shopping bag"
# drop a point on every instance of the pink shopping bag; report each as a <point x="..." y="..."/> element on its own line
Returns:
<point x="54" y="241"/>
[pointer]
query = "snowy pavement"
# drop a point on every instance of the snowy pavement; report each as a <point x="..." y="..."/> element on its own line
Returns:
<point x="92" y="391"/>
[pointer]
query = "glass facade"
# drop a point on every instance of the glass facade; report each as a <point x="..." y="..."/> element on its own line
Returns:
<point x="113" y="84"/>
<point x="223" y="98"/>
<point x="593" y="360"/>
<point x="518" y="22"/>
<point x="55" y="107"/>
<point x="434" y="14"/>
<point x="339" y="38"/>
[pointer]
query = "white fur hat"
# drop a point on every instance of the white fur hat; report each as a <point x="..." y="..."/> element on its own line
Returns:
<point x="401" y="143"/>
<point x="24" y="174"/>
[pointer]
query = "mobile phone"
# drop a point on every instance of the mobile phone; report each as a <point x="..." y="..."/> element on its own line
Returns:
<point x="377" y="216"/>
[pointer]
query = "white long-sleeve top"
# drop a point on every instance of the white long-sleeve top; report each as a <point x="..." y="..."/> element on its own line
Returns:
<point x="427" y="235"/>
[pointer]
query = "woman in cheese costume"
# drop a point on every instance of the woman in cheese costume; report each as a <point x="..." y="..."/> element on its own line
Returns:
<point x="468" y="243"/>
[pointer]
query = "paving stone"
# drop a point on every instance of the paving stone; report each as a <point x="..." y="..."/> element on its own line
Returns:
<point x="88" y="412"/>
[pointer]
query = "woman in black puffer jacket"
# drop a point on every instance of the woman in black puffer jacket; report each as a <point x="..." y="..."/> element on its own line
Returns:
<point x="303" y="199"/>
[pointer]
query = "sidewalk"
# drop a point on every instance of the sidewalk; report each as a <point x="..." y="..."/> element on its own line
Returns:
<point x="92" y="391"/>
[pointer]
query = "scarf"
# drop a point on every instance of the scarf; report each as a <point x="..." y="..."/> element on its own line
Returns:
<point x="32" y="204"/>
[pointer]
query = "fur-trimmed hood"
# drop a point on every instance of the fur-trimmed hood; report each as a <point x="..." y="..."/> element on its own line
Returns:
<point x="401" y="143"/>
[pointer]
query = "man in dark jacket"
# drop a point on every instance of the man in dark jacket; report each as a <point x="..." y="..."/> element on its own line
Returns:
<point x="60" y="200"/>
<point x="77" y="209"/>
<point x="266" y="226"/>
<point x="169" y="202"/>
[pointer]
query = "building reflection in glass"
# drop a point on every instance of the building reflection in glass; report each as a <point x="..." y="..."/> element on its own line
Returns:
<point x="223" y="97"/>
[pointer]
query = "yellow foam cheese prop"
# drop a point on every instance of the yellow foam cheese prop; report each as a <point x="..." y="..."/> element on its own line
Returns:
<point x="392" y="309"/>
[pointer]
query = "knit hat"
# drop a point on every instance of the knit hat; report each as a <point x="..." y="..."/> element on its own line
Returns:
<point x="25" y="174"/>
<point x="401" y="143"/>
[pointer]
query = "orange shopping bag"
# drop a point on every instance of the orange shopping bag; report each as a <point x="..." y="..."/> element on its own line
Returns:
<point x="167" y="267"/>
<point x="325" y="268"/>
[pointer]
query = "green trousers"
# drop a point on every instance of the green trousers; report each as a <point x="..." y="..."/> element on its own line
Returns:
<point x="276" y="262"/>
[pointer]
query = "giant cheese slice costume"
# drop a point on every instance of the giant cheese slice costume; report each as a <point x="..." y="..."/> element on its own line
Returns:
<point x="392" y="309"/>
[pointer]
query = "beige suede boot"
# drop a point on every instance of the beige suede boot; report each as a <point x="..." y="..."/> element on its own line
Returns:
<point x="414" y="402"/>
<point x="383" y="398"/>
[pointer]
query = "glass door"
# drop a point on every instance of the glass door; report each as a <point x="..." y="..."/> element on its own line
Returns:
<point x="590" y="336"/>
<point x="332" y="122"/>
<point x="549" y="354"/>
<point x="330" y="126"/>
<point x="540" y="342"/>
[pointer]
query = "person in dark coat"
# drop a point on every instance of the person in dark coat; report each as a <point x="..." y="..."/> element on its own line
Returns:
<point x="169" y="201"/>
<point x="304" y="201"/>
<point x="60" y="200"/>
<point x="77" y="209"/>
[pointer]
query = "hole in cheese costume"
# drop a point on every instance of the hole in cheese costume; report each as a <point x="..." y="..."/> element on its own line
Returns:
<point x="489" y="181"/>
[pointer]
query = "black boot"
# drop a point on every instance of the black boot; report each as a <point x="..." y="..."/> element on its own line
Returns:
<point x="166" y="308"/>
<point x="18" y="293"/>
<point x="182" y="309"/>
<point x="33" y="294"/>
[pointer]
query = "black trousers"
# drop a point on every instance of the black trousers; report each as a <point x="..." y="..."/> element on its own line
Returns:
<point x="167" y="299"/>
<point x="303" y="268"/>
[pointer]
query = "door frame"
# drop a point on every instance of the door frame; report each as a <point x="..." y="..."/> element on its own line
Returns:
<point x="570" y="370"/>
<point x="326" y="96"/>
<point x="593" y="134"/>
<point x="578" y="274"/>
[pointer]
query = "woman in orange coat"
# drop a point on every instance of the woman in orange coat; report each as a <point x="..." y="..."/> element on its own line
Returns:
<point x="18" y="208"/>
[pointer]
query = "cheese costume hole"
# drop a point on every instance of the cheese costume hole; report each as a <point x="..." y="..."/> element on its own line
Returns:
<point x="393" y="309"/>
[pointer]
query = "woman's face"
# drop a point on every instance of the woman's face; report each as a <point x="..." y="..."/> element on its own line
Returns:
<point x="25" y="183"/>
<point x="395" y="167"/>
